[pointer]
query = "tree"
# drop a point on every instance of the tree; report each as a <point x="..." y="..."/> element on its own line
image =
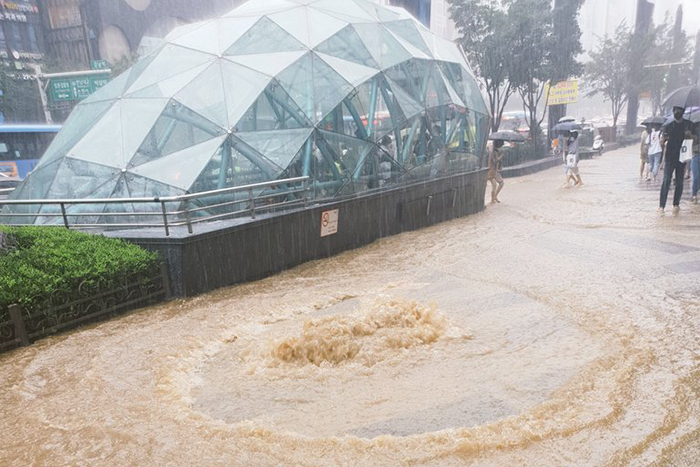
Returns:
<point x="20" y="101"/>
<point x="485" y="37"/>
<point x="532" y="57"/>
<point x="566" y="47"/>
<point x="609" y="70"/>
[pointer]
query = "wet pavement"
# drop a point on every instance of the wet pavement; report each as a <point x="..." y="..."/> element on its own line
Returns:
<point x="560" y="327"/>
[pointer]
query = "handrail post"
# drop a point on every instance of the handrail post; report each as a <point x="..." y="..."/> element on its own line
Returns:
<point x="252" y="203"/>
<point x="65" y="217"/>
<point x="305" y="186"/>
<point x="20" y="330"/>
<point x="165" y="218"/>
<point x="188" y="215"/>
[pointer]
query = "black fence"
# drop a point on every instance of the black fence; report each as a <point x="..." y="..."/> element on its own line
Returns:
<point x="66" y="309"/>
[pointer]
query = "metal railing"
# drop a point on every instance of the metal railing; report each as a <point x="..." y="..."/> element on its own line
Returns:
<point x="189" y="209"/>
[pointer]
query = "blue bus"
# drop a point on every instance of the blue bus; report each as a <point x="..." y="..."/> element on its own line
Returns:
<point x="21" y="147"/>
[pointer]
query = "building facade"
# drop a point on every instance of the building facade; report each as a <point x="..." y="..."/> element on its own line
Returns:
<point x="79" y="31"/>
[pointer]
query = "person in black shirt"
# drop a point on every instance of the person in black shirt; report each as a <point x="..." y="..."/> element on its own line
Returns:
<point x="673" y="135"/>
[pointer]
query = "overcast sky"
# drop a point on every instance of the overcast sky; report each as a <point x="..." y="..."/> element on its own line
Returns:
<point x="691" y="13"/>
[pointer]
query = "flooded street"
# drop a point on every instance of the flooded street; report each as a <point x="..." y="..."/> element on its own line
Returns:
<point x="561" y="327"/>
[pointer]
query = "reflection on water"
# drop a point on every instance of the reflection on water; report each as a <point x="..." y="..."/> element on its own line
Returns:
<point x="561" y="327"/>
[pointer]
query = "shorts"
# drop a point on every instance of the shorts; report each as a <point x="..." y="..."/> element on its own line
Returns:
<point x="572" y="171"/>
<point x="644" y="157"/>
<point x="498" y="178"/>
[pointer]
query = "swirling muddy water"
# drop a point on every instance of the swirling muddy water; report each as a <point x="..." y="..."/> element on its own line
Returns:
<point x="561" y="327"/>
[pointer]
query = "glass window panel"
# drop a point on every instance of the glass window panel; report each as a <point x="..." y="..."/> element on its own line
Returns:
<point x="278" y="146"/>
<point x="176" y="129"/>
<point x="293" y="22"/>
<point x="170" y="86"/>
<point x="37" y="183"/>
<point x="381" y="44"/>
<point x="408" y="31"/>
<point x="205" y="95"/>
<point x="345" y="10"/>
<point x="265" y="36"/>
<point x="347" y="45"/>
<point x="408" y="105"/>
<point x="204" y="38"/>
<point x="270" y="63"/>
<point x="79" y="179"/>
<point x="242" y="86"/>
<point x="111" y="90"/>
<point x="314" y="86"/>
<point x="78" y="123"/>
<point x="274" y="109"/>
<point x="181" y="168"/>
<point x="170" y="61"/>
<point x="239" y="171"/>
<point x="103" y="141"/>
<point x="410" y="77"/>
<point x="353" y="73"/>
<point x="261" y="7"/>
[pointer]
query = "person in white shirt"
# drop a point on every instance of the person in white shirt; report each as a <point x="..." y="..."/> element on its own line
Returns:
<point x="655" y="152"/>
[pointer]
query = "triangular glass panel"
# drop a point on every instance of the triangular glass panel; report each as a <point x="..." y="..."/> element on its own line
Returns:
<point x="177" y="128"/>
<point x="411" y="76"/>
<point x="382" y="45"/>
<point x="322" y="26"/>
<point x="205" y="95"/>
<point x="353" y="73"/>
<point x="112" y="90"/>
<point x="242" y="86"/>
<point x="270" y="63"/>
<point x="37" y="184"/>
<point x="451" y="93"/>
<point x="314" y="86"/>
<point x="261" y="7"/>
<point x="407" y="30"/>
<point x="265" y="36"/>
<point x="170" y="86"/>
<point x="345" y="10"/>
<point x="278" y="146"/>
<point x="204" y="38"/>
<point x="274" y="109"/>
<point x="408" y="105"/>
<point x="170" y="61"/>
<point x="78" y="179"/>
<point x="78" y="124"/>
<point x="293" y="22"/>
<point x="235" y="164"/>
<point x="185" y="29"/>
<point x="454" y="76"/>
<point x="346" y="44"/>
<point x="103" y="143"/>
<point x="181" y="168"/>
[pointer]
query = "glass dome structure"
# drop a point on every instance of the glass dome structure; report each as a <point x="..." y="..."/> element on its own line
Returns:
<point x="355" y="95"/>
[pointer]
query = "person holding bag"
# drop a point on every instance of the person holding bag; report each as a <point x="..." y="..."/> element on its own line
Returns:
<point x="677" y="141"/>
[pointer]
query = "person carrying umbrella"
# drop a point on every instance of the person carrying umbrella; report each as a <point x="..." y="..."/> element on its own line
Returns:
<point x="674" y="133"/>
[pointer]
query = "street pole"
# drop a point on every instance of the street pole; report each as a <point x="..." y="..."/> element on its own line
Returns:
<point x="42" y="93"/>
<point x="645" y="13"/>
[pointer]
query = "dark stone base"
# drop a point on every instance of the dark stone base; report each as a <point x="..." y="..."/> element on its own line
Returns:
<point x="240" y="252"/>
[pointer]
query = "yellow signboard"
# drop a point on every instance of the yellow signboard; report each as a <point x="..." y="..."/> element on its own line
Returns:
<point x="564" y="92"/>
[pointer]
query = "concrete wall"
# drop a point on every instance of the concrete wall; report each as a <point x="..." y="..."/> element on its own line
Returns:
<point x="202" y="262"/>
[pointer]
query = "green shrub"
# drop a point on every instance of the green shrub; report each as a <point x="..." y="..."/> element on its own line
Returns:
<point x="43" y="260"/>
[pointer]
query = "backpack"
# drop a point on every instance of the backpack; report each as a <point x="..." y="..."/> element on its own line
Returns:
<point x="571" y="160"/>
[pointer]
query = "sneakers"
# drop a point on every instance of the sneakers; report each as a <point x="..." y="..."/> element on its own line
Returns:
<point x="660" y="210"/>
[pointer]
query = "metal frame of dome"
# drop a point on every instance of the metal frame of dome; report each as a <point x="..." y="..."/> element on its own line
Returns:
<point x="274" y="89"/>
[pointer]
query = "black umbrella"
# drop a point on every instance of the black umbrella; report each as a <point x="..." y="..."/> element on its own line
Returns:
<point x="507" y="136"/>
<point x="688" y="96"/>
<point x="658" y="120"/>
<point x="567" y="126"/>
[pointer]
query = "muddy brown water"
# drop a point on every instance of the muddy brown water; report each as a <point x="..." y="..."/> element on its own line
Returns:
<point x="561" y="327"/>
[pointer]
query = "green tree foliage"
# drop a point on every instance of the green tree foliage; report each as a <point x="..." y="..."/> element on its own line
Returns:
<point x="608" y="71"/>
<point x="532" y="56"/>
<point x="20" y="101"/>
<point x="485" y="38"/>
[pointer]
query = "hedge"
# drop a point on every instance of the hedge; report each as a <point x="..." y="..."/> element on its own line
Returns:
<point x="41" y="260"/>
